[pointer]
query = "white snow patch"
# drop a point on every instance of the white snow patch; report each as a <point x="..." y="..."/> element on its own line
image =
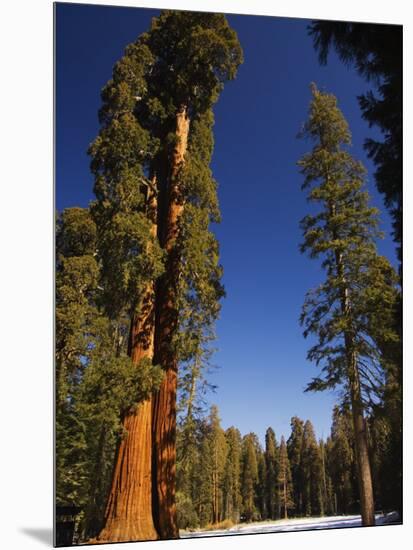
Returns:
<point x="295" y="524"/>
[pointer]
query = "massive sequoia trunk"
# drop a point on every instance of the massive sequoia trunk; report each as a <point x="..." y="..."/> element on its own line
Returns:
<point x="164" y="399"/>
<point x="128" y="514"/>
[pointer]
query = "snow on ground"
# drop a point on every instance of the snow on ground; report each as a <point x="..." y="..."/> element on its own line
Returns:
<point x="296" y="524"/>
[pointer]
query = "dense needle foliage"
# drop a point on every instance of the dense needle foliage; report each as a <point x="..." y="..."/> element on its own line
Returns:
<point x="376" y="53"/>
<point x="351" y="311"/>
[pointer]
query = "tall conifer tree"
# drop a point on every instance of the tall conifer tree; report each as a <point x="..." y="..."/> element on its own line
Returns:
<point x="376" y="51"/>
<point x="284" y="480"/>
<point x="295" y="450"/>
<point x="271" y="486"/>
<point x="249" y="476"/>
<point x="218" y="447"/>
<point x="125" y="213"/>
<point x="358" y="280"/>
<point x="311" y="473"/>
<point x="150" y="162"/>
<point x="232" y="475"/>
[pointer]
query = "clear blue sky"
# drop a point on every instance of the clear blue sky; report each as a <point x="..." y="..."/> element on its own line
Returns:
<point x="261" y="351"/>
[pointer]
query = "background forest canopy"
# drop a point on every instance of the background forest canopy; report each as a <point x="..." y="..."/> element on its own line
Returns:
<point x="139" y="284"/>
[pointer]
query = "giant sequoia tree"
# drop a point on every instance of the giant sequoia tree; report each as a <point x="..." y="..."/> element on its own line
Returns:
<point x="125" y="214"/>
<point x="359" y="284"/>
<point x="152" y="183"/>
<point x="96" y="380"/>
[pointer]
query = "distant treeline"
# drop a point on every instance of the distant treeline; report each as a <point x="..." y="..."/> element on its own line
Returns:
<point x="223" y="476"/>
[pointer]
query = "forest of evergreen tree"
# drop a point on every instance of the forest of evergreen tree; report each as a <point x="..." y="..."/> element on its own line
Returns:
<point x="225" y="478"/>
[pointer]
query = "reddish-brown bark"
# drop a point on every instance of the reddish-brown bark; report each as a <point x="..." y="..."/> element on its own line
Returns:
<point x="128" y="514"/>
<point x="164" y="400"/>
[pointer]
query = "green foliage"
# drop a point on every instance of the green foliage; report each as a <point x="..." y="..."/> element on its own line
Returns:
<point x="76" y="282"/>
<point x="183" y="60"/>
<point x="327" y="498"/>
<point x="95" y="380"/>
<point x="284" y="479"/>
<point x="195" y="54"/>
<point x="112" y="385"/>
<point x="187" y="516"/>
<point x="272" y="467"/>
<point x="232" y="472"/>
<point x="359" y="290"/>
<point x="202" y="456"/>
<point x="261" y="489"/>
<point x="203" y="481"/>
<point x="312" y="473"/>
<point x="70" y="457"/>
<point x="341" y="462"/>
<point x="199" y="288"/>
<point x="129" y="253"/>
<point x="295" y="450"/>
<point x="386" y="423"/>
<point x="376" y="52"/>
<point x="75" y="233"/>
<point x="313" y="478"/>
<point x="386" y="443"/>
<point x="249" y="477"/>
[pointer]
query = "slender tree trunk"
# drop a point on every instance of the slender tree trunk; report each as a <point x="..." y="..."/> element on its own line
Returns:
<point x="164" y="400"/>
<point x="363" y="461"/>
<point x="285" y="498"/>
<point x="216" y="494"/>
<point x="360" y="436"/>
<point x="128" y="514"/>
<point x="214" y="498"/>
<point x="324" y="497"/>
